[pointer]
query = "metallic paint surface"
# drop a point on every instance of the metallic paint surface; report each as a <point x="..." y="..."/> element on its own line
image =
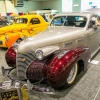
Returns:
<point x="57" y="70"/>
<point x="48" y="50"/>
<point x="10" y="57"/>
<point x="50" y="37"/>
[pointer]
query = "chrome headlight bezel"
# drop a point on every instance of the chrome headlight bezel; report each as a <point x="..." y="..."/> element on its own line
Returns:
<point x="43" y="52"/>
<point x="39" y="54"/>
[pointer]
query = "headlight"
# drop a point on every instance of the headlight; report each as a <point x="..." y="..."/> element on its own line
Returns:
<point x="43" y="52"/>
<point x="6" y="38"/>
<point x="39" y="54"/>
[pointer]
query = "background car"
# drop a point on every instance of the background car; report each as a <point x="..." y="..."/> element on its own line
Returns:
<point x="60" y="53"/>
<point x="24" y="26"/>
<point x="5" y="22"/>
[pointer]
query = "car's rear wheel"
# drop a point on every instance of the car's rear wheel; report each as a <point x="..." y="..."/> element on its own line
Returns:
<point x="72" y="76"/>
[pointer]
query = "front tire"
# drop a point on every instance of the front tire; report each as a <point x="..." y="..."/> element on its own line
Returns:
<point x="19" y="40"/>
<point x="72" y="76"/>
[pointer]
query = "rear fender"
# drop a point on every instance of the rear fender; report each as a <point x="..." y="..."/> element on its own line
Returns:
<point x="58" y="67"/>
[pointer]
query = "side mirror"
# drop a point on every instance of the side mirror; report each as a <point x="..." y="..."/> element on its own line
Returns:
<point x="91" y="24"/>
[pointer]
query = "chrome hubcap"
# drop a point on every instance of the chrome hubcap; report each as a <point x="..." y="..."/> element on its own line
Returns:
<point x="72" y="74"/>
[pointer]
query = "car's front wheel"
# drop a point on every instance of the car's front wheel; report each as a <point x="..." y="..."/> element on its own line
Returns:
<point x="19" y="40"/>
<point x="72" y="76"/>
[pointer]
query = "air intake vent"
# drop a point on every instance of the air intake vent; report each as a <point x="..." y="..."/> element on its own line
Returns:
<point x="18" y="3"/>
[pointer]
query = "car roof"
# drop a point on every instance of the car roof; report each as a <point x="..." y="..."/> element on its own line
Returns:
<point x="28" y="16"/>
<point x="86" y="13"/>
<point x="95" y="10"/>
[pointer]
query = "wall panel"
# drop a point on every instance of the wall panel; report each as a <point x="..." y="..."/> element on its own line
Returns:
<point x="52" y="4"/>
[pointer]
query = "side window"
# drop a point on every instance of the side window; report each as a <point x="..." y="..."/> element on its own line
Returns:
<point x="92" y="21"/>
<point x="21" y="20"/>
<point x="76" y="21"/>
<point x="35" y="21"/>
<point x="58" y="21"/>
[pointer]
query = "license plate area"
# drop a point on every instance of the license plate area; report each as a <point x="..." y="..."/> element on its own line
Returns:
<point x="9" y="95"/>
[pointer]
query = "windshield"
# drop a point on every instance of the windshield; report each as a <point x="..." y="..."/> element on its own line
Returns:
<point x="21" y="21"/>
<point x="76" y="21"/>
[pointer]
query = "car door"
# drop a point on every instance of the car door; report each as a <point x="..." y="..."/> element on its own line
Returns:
<point x="35" y="26"/>
<point x="93" y="35"/>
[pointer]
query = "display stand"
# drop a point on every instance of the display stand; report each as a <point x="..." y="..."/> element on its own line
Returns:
<point x="14" y="89"/>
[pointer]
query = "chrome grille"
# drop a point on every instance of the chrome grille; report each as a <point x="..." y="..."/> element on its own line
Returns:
<point x="22" y="62"/>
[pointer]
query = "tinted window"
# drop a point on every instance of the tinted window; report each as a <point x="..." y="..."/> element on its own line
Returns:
<point x="58" y="21"/>
<point x="21" y="20"/>
<point x="76" y="21"/>
<point x="35" y="21"/>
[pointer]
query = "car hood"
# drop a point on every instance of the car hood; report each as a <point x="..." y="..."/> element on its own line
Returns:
<point x="53" y="35"/>
<point x="13" y="27"/>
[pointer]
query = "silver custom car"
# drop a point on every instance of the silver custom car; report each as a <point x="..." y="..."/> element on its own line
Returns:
<point x="61" y="52"/>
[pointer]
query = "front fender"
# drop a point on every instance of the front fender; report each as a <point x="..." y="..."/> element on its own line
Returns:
<point x="12" y="38"/>
<point x="10" y="56"/>
<point x="58" y="67"/>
